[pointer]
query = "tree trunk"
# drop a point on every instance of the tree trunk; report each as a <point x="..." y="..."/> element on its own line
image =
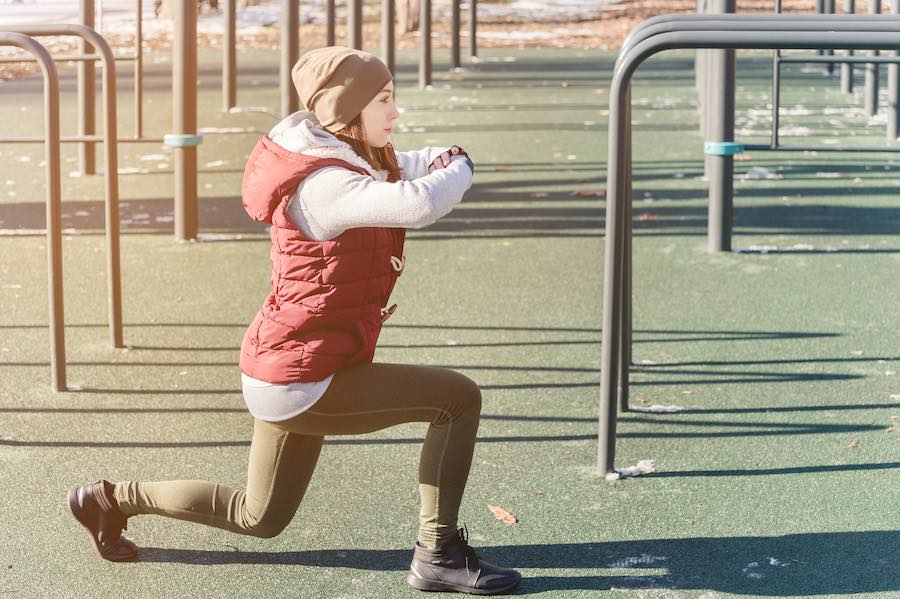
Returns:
<point x="408" y="15"/>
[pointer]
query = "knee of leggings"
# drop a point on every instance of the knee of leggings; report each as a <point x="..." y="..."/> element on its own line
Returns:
<point x="265" y="529"/>
<point x="467" y="396"/>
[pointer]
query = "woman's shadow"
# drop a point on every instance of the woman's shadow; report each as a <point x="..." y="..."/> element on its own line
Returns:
<point x="838" y="563"/>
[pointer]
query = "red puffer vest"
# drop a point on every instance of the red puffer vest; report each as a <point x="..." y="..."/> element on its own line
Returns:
<point x="324" y="310"/>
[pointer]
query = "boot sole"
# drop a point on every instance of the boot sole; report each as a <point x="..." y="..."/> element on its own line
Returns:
<point x="78" y="512"/>
<point x="439" y="587"/>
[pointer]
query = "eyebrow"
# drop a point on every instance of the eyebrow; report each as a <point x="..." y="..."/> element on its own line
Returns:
<point x="387" y="89"/>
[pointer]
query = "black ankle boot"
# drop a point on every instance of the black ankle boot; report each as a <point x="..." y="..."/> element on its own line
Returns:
<point x="454" y="566"/>
<point x="95" y="508"/>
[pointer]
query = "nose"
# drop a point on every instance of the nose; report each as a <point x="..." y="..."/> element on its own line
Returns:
<point x="395" y="114"/>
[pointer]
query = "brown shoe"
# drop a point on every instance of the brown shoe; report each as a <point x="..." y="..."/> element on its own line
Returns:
<point x="455" y="566"/>
<point x="95" y="508"/>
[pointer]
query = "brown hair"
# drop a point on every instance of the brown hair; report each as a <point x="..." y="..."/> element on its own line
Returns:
<point x="382" y="159"/>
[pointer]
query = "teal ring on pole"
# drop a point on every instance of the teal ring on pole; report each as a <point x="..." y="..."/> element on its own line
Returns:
<point x="723" y="148"/>
<point x="182" y="141"/>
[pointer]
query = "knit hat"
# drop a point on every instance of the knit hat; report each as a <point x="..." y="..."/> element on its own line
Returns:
<point x="337" y="83"/>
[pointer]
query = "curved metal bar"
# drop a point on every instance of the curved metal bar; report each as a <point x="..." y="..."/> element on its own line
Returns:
<point x="763" y="34"/>
<point x="111" y="153"/>
<point x="54" y="207"/>
<point x="690" y="22"/>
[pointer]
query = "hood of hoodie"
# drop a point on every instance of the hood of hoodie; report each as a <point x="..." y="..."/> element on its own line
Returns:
<point x="272" y="170"/>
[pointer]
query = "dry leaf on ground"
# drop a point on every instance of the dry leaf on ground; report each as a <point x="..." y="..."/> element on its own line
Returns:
<point x="502" y="514"/>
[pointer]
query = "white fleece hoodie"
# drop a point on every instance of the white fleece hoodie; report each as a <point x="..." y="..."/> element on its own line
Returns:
<point x="335" y="199"/>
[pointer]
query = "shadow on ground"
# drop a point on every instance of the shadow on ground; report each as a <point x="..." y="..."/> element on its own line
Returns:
<point x="840" y="563"/>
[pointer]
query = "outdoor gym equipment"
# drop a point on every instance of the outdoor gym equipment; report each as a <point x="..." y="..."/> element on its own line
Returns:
<point x="111" y="184"/>
<point x="54" y="216"/>
<point x="766" y="32"/>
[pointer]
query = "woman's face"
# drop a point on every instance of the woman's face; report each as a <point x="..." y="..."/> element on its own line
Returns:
<point x="378" y="117"/>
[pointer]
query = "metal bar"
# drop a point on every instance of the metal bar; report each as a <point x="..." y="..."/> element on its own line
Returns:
<point x="290" y="52"/>
<point x="329" y="23"/>
<point x="425" y="48"/>
<point x="847" y="68"/>
<point x="843" y="59"/>
<point x="139" y="71"/>
<point x="829" y="9"/>
<point x="893" y="83"/>
<point x="388" y="51"/>
<point x="111" y="185"/>
<point x="81" y="138"/>
<point x="229" y="57"/>
<point x="625" y="329"/>
<point x="184" y="116"/>
<point x="54" y="204"/>
<point x="454" y="34"/>
<point x="776" y="97"/>
<point x="87" y="157"/>
<point x="737" y="34"/>
<point x="354" y="23"/>
<point x="56" y="59"/>
<point x="818" y="148"/>
<point x="720" y="169"/>
<point x="473" y="26"/>
<point x="871" y="89"/>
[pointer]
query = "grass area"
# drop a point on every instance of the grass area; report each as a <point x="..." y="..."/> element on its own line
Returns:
<point x="778" y="477"/>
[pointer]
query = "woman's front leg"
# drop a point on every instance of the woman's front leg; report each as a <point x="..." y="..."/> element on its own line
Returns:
<point x="369" y="397"/>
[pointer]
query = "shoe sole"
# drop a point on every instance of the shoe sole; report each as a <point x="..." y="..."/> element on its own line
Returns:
<point x="443" y="587"/>
<point x="78" y="512"/>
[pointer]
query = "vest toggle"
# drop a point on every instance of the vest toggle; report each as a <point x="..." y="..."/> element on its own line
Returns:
<point x="398" y="264"/>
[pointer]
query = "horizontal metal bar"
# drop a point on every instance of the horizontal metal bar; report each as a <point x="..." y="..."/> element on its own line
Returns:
<point x="839" y="59"/>
<point x="65" y="58"/>
<point x="780" y="148"/>
<point x="79" y="139"/>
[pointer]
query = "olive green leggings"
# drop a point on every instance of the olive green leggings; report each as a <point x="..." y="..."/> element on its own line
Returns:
<point x="360" y="399"/>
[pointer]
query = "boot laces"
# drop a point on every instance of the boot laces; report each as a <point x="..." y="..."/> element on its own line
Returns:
<point x="471" y="556"/>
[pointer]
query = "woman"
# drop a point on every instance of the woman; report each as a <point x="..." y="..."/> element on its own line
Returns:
<point x="338" y="199"/>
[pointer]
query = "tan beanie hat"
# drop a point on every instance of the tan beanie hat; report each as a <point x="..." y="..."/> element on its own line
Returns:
<point x="337" y="83"/>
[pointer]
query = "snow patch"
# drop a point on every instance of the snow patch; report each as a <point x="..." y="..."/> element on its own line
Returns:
<point x="641" y="468"/>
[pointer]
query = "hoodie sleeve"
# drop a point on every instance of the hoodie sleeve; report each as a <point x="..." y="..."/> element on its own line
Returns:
<point x="335" y="199"/>
<point x="414" y="164"/>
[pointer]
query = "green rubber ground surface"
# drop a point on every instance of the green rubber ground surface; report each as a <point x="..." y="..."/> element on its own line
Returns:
<point x="778" y="478"/>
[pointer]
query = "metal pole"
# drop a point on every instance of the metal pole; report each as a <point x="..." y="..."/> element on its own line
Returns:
<point x="700" y="76"/>
<point x="86" y="91"/>
<point x="893" y="126"/>
<point x="229" y="57"/>
<point x="329" y="23"/>
<point x="54" y="225"/>
<point x="871" y="96"/>
<point x="829" y="9"/>
<point x="53" y="201"/>
<point x="720" y="168"/>
<point x="387" y="35"/>
<point x="139" y="71"/>
<point x="184" y="117"/>
<point x="847" y="69"/>
<point x="776" y="96"/>
<point x="454" y="35"/>
<point x="111" y="180"/>
<point x="290" y="52"/>
<point x="425" y="49"/>
<point x="625" y="328"/>
<point x="354" y="23"/>
<point x="473" y="26"/>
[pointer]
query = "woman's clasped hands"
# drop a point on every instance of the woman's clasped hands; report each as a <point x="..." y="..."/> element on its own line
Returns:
<point x="445" y="158"/>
